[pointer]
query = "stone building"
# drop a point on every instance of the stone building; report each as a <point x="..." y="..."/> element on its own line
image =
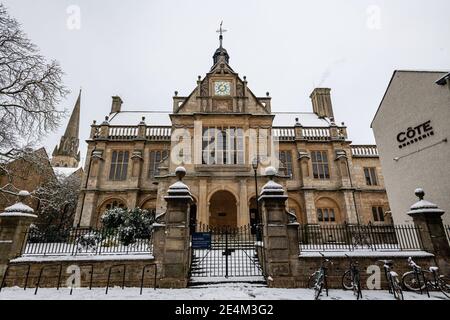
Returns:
<point x="132" y="156"/>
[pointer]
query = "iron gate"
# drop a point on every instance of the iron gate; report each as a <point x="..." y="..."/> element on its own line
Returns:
<point x="231" y="252"/>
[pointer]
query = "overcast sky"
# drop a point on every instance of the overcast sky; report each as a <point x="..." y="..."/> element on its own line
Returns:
<point x="145" y="50"/>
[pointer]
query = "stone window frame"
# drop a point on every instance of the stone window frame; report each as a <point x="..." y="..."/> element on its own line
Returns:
<point x="118" y="170"/>
<point x="153" y="165"/>
<point x="329" y="217"/>
<point x="321" y="165"/>
<point x="378" y="213"/>
<point x="287" y="163"/>
<point x="370" y="175"/>
<point x="223" y="154"/>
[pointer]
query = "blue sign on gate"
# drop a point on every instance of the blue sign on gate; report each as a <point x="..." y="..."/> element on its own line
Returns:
<point x="201" y="240"/>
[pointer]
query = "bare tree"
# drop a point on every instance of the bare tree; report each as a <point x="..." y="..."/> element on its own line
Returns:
<point x="57" y="202"/>
<point x="30" y="90"/>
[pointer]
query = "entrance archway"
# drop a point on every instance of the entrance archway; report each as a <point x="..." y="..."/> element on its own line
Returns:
<point x="222" y="209"/>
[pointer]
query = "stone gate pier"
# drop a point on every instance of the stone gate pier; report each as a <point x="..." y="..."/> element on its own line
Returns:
<point x="171" y="239"/>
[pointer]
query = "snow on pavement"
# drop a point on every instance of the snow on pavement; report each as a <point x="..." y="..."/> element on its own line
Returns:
<point x="235" y="291"/>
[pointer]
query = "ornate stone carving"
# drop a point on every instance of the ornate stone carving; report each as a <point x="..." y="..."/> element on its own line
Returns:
<point x="204" y="90"/>
<point x="222" y="106"/>
<point x="239" y="89"/>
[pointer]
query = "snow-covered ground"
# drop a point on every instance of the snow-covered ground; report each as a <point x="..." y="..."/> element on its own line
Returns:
<point x="234" y="291"/>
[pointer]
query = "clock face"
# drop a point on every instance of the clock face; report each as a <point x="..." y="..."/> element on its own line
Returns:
<point x="222" y="88"/>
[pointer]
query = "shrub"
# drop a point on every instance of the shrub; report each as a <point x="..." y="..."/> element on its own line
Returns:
<point x="130" y="225"/>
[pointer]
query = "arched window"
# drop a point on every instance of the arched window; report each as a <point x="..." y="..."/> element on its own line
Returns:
<point x="114" y="204"/>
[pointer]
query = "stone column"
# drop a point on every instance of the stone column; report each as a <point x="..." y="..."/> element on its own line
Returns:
<point x="280" y="235"/>
<point x="202" y="205"/>
<point x="244" y="213"/>
<point x="350" y="207"/>
<point x="427" y="216"/>
<point x="14" y="223"/>
<point x="171" y="236"/>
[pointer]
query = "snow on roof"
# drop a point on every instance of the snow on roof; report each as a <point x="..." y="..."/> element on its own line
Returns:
<point x="132" y="118"/>
<point x="306" y="119"/>
<point x="64" y="172"/>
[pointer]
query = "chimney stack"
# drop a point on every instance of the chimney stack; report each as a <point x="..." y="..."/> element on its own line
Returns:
<point x="321" y="102"/>
<point x="116" y="104"/>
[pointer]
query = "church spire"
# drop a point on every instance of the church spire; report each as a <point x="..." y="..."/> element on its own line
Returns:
<point x="221" y="53"/>
<point x="73" y="126"/>
<point x="67" y="154"/>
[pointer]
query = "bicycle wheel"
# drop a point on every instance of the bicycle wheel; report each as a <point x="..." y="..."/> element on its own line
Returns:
<point x="412" y="281"/>
<point x="398" y="292"/>
<point x="347" y="281"/>
<point x="318" y="288"/>
<point x="444" y="286"/>
<point x="312" y="280"/>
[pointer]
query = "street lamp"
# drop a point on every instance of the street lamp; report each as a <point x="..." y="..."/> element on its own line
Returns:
<point x="255" y="164"/>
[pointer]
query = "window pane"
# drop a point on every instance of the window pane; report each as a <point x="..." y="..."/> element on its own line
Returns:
<point x="124" y="165"/>
<point x="327" y="174"/>
<point x="374" y="214"/>
<point x="157" y="162"/>
<point x="113" y="165"/>
<point x="319" y="215"/>
<point x="332" y="216"/>
<point x="367" y="176"/>
<point x="315" y="171"/>
<point x="319" y="164"/>
<point x="373" y="176"/>
<point x="380" y="214"/>
<point x="151" y="167"/>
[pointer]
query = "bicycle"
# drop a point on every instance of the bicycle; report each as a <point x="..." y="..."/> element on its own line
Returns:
<point x="392" y="279"/>
<point x="351" y="279"/>
<point x="318" y="280"/>
<point x="431" y="279"/>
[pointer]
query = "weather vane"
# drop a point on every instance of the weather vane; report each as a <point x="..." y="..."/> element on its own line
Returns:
<point x="221" y="32"/>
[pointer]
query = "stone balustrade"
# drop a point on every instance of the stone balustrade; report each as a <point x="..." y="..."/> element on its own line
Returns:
<point x="364" y="151"/>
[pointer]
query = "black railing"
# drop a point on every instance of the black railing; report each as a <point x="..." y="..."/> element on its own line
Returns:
<point x="347" y="237"/>
<point x="84" y="242"/>
<point x="230" y="252"/>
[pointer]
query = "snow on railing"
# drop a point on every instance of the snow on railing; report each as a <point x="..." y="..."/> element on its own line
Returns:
<point x="364" y="151"/>
<point x="346" y="237"/>
<point x="83" y="242"/>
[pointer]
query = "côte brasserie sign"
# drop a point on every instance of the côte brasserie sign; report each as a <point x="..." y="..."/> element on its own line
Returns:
<point x="415" y="134"/>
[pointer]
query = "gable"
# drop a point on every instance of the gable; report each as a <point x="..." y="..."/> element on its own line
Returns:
<point x="235" y="97"/>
